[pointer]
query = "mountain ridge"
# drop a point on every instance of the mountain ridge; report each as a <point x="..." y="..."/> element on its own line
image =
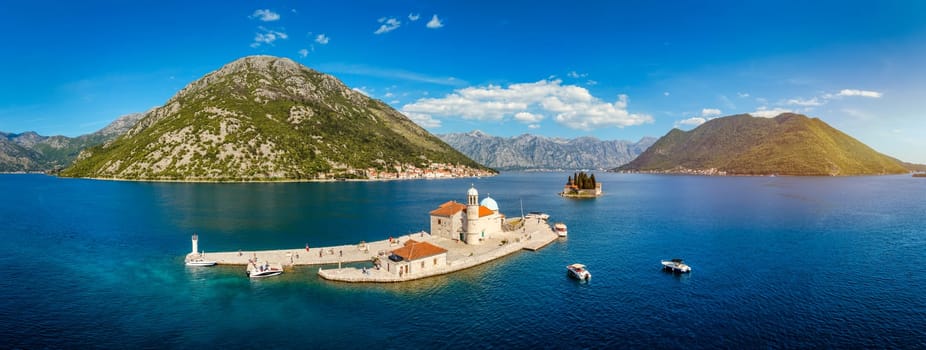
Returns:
<point x="788" y="144"/>
<point x="534" y="152"/>
<point x="31" y="152"/>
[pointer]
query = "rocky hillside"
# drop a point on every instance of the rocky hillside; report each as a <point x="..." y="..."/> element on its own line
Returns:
<point x="530" y="152"/>
<point x="266" y="118"/>
<point x="789" y="144"/>
<point x="31" y="152"/>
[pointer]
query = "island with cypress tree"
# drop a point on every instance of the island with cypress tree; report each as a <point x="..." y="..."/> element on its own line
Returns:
<point x="581" y="185"/>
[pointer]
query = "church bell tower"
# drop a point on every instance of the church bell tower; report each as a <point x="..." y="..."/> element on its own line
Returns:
<point x="472" y="215"/>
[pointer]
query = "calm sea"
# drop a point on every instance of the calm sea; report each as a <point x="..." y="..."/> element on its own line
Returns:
<point x="777" y="262"/>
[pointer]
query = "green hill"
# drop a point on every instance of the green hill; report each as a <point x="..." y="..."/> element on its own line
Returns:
<point x="789" y="144"/>
<point x="267" y="118"/>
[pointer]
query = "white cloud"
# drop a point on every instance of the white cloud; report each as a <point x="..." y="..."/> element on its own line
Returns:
<point x="665" y="93"/>
<point x="388" y="25"/>
<point x="527" y="117"/>
<point x="805" y="103"/>
<point x="862" y="93"/>
<point x="322" y="39"/>
<point x="265" y="15"/>
<point x="414" y="16"/>
<point x="423" y="120"/>
<point x="303" y="53"/>
<point x="764" y="112"/>
<point x="388" y="95"/>
<point x="591" y="82"/>
<point x="693" y="121"/>
<point x="267" y="36"/>
<point x="577" y="75"/>
<point x="435" y="23"/>
<point x="572" y="106"/>
<point x="742" y="94"/>
<point x="534" y="126"/>
<point x="710" y="112"/>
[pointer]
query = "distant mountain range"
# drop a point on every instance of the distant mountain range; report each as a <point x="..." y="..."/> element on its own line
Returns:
<point x="531" y="152"/>
<point x="31" y="152"/>
<point x="263" y="118"/>
<point x="789" y="144"/>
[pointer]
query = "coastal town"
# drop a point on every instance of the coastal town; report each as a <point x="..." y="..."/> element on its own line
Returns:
<point x="462" y="235"/>
<point x="408" y="171"/>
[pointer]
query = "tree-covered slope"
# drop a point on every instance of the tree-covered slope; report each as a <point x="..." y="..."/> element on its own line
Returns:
<point x="265" y="118"/>
<point x="789" y="144"/>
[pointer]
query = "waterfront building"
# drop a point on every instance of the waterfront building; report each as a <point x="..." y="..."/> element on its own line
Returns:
<point x="415" y="258"/>
<point x="471" y="222"/>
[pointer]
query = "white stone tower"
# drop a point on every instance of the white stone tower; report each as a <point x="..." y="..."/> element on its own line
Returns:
<point x="195" y="243"/>
<point x="472" y="216"/>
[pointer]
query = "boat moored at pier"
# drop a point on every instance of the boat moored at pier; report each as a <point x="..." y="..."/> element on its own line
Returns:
<point x="200" y="261"/>
<point x="560" y="229"/>
<point x="265" y="270"/>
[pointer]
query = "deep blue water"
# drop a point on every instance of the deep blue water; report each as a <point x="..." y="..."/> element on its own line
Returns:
<point x="777" y="262"/>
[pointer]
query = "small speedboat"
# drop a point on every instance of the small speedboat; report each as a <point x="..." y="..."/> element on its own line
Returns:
<point x="560" y="229"/>
<point x="579" y="272"/>
<point x="675" y="265"/>
<point x="265" y="270"/>
<point x="200" y="262"/>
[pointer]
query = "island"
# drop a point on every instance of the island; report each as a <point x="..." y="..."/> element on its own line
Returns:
<point x="462" y="235"/>
<point x="581" y="185"/>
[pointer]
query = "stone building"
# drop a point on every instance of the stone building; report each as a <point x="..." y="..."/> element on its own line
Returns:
<point x="471" y="222"/>
<point x="416" y="257"/>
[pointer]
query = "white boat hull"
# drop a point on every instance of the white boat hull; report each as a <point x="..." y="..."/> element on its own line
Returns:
<point x="200" y="263"/>
<point x="263" y="274"/>
<point x="672" y="266"/>
<point x="560" y="229"/>
<point x="257" y="271"/>
<point x="579" y="273"/>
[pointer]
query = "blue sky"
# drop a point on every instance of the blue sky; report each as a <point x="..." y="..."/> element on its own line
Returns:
<point x="609" y="69"/>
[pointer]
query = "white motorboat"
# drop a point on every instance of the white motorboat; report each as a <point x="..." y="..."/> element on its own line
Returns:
<point x="560" y="229"/>
<point x="265" y="270"/>
<point x="579" y="272"/>
<point x="200" y="262"/>
<point x="675" y="265"/>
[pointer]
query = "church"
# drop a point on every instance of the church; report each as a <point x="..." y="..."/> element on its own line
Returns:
<point x="471" y="222"/>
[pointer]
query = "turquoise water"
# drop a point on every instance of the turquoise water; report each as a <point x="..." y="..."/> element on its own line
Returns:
<point x="777" y="262"/>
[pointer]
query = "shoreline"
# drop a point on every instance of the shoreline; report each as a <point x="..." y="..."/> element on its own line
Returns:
<point x="267" y="181"/>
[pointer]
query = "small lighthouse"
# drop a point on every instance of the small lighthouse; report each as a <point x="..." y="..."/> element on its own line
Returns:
<point x="195" y="243"/>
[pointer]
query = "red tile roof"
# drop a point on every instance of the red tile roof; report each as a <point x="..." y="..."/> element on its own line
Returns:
<point x="448" y="209"/>
<point x="414" y="250"/>
<point x="483" y="211"/>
